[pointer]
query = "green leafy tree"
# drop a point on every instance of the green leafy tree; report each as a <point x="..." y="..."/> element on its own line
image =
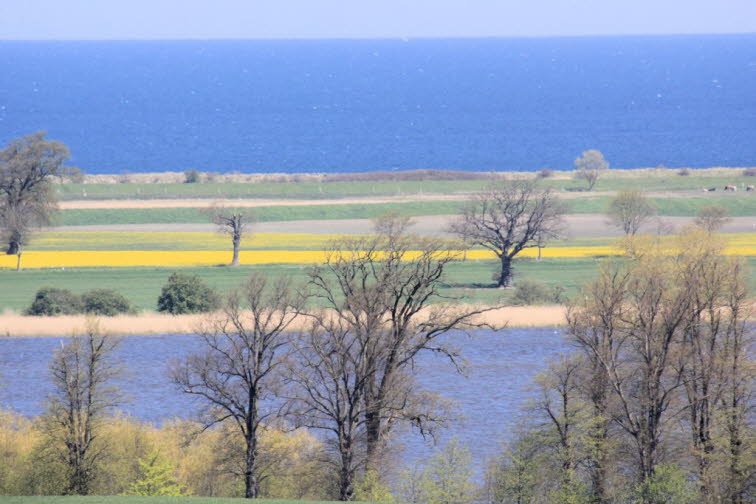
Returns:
<point x="187" y="294"/>
<point x="668" y="485"/>
<point x="156" y="478"/>
<point x="448" y="477"/>
<point x="51" y="301"/>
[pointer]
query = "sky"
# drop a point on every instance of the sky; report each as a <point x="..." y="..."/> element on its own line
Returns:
<point x="235" y="19"/>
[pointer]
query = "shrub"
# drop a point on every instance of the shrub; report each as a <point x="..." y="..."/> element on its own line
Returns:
<point x="106" y="302"/>
<point x="529" y="292"/>
<point x="51" y="301"/>
<point x="683" y="172"/>
<point x="749" y="172"/>
<point x="186" y="294"/>
<point x="545" y="173"/>
<point x="191" y="177"/>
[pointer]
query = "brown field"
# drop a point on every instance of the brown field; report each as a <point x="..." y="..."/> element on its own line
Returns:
<point x="12" y="324"/>
<point x="577" y="226"/>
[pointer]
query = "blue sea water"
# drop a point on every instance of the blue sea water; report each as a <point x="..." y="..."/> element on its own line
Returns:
<point x="344" y="106"/>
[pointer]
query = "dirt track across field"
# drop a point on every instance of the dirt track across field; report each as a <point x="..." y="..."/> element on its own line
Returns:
<point x="363" y="200"/>
<point x="578" y="226"/>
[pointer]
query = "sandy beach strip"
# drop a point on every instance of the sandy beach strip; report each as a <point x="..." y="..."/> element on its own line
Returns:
<point x="16" y="325"/>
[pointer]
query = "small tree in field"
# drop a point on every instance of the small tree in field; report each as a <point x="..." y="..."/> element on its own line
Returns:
<point x="629" y="210"/>
<point x="508" y="218"/>
<point x="234" y="222"/>
<point x="28" y="166"/>
<point x="711" y="218"/>
<point x="589" y="167"/>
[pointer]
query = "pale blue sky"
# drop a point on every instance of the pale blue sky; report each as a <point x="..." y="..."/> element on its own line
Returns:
<point x="181" y="19"/>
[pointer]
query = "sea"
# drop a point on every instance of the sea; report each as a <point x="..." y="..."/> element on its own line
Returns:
<point x="290" y="106"/>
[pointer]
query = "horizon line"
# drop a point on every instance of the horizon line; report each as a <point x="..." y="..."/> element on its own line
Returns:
<point x="394" y="38"/>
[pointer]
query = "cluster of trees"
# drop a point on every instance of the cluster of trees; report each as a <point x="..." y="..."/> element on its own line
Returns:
<point x="654" y="405"/>
<point x="346" y="369"/>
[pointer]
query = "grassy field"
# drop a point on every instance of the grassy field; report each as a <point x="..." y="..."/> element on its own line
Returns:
<point x="664" y="181"/>
<point x="94" y="499"/>
<point x="470" y="280"/>
<point x="736" y="205"/>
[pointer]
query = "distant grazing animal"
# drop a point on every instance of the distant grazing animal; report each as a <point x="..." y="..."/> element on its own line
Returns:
<point x="710" y="189"/>
<point x="750" y="188"/>
<point x="730" y="188"/>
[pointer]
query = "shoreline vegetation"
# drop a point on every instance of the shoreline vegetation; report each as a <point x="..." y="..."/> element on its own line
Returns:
<point x="152" y="323"/>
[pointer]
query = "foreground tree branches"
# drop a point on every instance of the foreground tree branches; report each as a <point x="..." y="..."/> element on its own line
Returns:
<point x="27" y="197"/>
<point x="669" y="334"/>
<point x="239" y="371"/>
<point x="508" y="218"/>
<point x="355" y="369"/>
<point x="82" y="371"/>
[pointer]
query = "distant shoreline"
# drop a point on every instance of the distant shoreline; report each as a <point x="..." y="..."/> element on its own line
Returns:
<point x="170" y="177"/>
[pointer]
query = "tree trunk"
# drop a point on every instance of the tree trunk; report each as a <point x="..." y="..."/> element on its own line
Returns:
<point x="373" y="439"/>
<point x="250" y="469"/>
<point x="237" y="242"/>
<point x="18" y="260"/>
<point x="346" y="476"/>
<point x="505" y="276"/>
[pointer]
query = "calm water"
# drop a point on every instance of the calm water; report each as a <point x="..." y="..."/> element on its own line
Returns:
<point x="501" y="368"/>
<point x="293" y="106"/>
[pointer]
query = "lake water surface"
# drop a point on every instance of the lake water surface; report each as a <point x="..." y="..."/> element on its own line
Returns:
<point x="489" y="398"/>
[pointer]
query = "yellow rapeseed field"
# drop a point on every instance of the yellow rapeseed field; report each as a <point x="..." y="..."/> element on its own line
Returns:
<point x="178" y="258"/>
<point x="742" y="244"/>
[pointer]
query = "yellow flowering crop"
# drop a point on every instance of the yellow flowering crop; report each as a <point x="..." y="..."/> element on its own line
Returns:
<point x="179" y="258"/>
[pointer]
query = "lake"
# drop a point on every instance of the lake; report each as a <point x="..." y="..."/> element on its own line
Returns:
<point x="501" y="368"/>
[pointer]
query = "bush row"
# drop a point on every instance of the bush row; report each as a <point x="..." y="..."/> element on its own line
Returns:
<point x="181" y="294"/>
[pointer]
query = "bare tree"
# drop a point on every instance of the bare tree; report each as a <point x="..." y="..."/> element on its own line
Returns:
<point x="82" y="371"/>
<point x="560" y="404"/>
<point x="629" y="210"/>
<point x="590" y="166"/>
<point x="711" y="218"/>
<point x="28" y="166"/>
<point x="232" y="221"/>
<point x="637" y="348"/>
<point x="239" y="371"/>
<point x="387" y="288"/>
<point x="327" y="375"/>
<point x="713" y="341"/>
<point x="508" y="218"/>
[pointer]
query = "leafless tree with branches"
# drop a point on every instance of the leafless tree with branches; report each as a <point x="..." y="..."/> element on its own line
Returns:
<point x="509" y="217"/>
<point x="239" y="372"/>
<point x="386" y="290"/>
<point x="82" y="372"/>
<point x="232" y="221"/>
